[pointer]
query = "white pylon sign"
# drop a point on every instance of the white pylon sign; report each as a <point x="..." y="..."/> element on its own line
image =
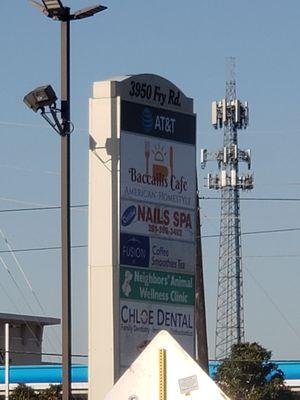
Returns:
<point x="142" y="222"/>
<point x="174" y="376"/>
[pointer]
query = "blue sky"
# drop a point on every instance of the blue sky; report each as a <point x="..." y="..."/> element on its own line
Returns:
<point x="187" y="43"/>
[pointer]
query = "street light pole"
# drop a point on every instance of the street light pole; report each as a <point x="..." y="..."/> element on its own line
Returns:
<point x="65" y="207"/>
<point x="43" y="98"/>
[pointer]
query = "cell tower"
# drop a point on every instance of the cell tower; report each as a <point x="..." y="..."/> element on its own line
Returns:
<point x="231" y="115"/>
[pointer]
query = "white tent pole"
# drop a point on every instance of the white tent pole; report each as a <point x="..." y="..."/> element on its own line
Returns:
<point x="6" y="361"/>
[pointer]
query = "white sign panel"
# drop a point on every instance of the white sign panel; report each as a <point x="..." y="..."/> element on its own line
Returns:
<point x="157" y="220"/>
<point x="188" y="384"/>
<point x="139" y="322"/>
<point x="157" y="171"/>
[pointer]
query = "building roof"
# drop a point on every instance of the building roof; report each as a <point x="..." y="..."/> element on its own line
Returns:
<point x="17" y="319"/>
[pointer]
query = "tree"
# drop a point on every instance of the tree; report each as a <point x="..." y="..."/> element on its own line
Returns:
<point x="51" y="393"/>
<point x="248" y="374"/>
<point x="23" y="392"/>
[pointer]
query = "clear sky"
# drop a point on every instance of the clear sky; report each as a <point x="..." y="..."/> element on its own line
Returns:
<point x="187" y="43"/>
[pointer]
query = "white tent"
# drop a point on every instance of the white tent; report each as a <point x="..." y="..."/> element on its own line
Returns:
<point x="164" y="371"/>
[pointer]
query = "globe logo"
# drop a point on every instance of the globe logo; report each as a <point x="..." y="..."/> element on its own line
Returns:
<point x="147" y="120"/>
<point x="128" y="215"/>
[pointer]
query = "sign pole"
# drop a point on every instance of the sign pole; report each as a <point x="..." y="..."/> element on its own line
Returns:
<point x="200" y="318"/>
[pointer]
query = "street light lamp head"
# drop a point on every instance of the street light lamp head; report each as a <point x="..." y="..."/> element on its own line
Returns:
<point x="56" y="10"/>
<point x="53" y="7"/>
<point x="40" y="98"/>
<point x="53" y="4"/>
<point x="88" y="11"/>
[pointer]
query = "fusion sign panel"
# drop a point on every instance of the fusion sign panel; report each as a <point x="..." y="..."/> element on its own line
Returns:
<point x="157" y="227"/>
<point x="153" y="252"/>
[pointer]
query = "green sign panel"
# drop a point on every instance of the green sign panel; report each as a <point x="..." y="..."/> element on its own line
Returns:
<point x="157" y="286"/>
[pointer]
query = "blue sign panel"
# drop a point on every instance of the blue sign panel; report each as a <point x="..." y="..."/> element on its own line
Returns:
<point x="157" y="122"/>
<point x="134" y="250"/>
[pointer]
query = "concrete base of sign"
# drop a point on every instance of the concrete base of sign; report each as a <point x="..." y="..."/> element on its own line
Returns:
<point x="175" y="376"/>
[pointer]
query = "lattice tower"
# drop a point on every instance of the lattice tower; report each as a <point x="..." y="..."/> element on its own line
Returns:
<point x="231" y="115"/>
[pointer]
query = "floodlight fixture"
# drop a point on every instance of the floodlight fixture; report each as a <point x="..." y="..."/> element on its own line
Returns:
<point x="41" y="97"/>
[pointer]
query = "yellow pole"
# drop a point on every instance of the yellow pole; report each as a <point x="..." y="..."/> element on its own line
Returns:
<point x="162" y="374"/>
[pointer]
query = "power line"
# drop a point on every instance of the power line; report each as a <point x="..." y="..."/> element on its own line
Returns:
<point x="39" y="208"/>
<point x="271" y="231"/>
<point x="43" y="353"/>
<point x="21" y="270"/>
<point x="256" y="198"/>
<point x="273" y="256"/>
<point x="257" y="232"/>
<point x="21" y="293"/>
<point x="79" y="246"/>
<point x="38" y="126"/>
<point x="80" y="129"/>
<point x="275" y="305"/>
<point x="256" y="132"/>
<point x="266" y="256"/>
<point x="46" y="208"/>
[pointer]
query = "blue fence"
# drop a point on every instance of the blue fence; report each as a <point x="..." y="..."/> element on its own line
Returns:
<point x="53" y="373"/>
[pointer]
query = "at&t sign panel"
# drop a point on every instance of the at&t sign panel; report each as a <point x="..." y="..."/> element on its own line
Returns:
<point x="141" y="220"/>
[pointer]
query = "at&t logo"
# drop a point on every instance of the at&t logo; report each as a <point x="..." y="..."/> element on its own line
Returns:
<point x="147" y="120"/>
<point x="157" y="122"/>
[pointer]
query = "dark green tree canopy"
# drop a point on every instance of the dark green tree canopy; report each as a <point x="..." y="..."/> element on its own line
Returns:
<point x="24" y="392"/>
<point x="248" y="374"/>
<point x="52" y="393"/>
